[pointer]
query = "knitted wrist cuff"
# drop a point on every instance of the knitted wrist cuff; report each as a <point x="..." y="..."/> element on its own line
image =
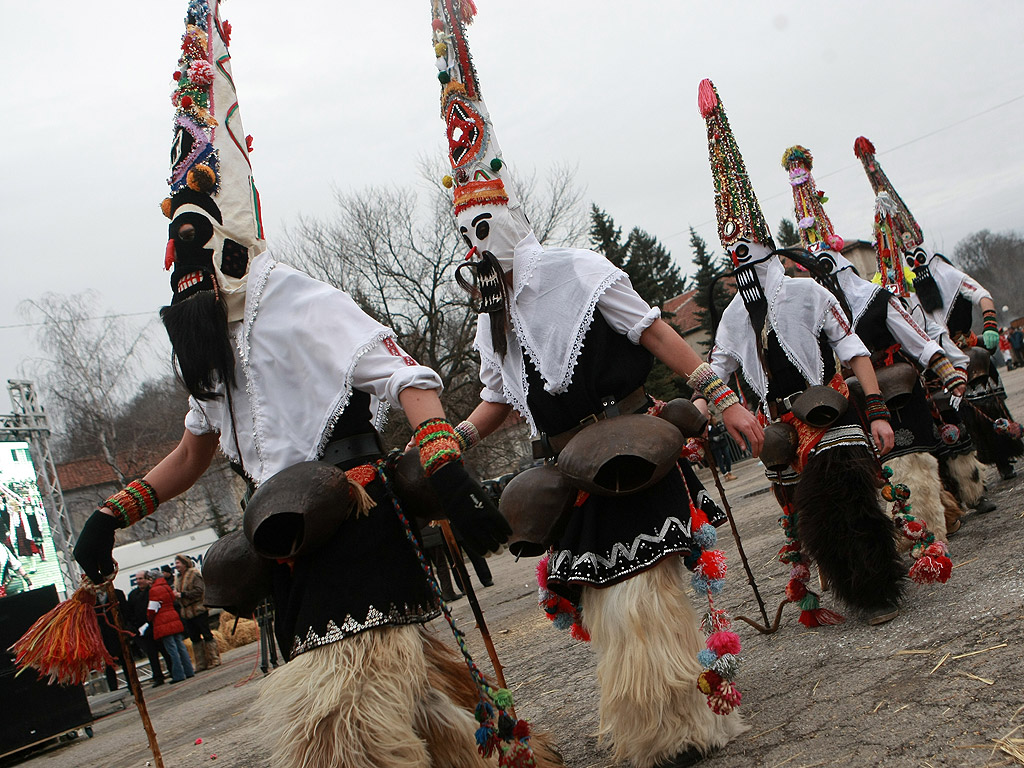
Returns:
<point x="876" y="408"/>
<point x="950" y="377"/>
<point x="132" y="503"/>
<point x="988" y="320"/>
<point x="467" y="434"/>
<point x="706" y="381"/>
<point x="438" y="444"/>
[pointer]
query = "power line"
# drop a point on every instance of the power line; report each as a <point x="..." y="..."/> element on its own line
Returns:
<point x="75" y="320"/>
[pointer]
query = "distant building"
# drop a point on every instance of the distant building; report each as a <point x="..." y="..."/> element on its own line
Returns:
<point x="212" y="501"/>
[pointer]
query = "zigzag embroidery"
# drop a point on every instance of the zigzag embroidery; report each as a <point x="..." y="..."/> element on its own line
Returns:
<point x="620" y="550"/>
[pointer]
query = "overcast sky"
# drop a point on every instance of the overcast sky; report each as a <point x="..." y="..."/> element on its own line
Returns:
<point x="340" y="95"/>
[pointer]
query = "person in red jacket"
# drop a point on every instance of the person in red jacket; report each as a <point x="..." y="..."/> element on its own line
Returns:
<point x="167" y="627"/>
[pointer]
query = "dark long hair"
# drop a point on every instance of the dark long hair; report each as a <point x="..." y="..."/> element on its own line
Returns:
<point x="201" y="349"/>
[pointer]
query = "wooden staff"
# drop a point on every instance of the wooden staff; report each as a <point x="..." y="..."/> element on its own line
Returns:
<point x="460" y="568"/>
<point x="739" y="544"/>
<point x="133" y="676"/>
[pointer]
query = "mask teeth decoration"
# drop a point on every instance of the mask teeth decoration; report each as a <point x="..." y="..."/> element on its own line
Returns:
<point x="905" y="228"/>
<point x="211" y="177"/>
<point x="476" y="177"/>
<point x="887" y="248"/>
<point x="814" y="225"/>
<point x="739" y="214"/>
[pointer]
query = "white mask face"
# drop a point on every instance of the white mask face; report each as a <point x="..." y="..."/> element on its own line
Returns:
<point x="493" y="229"/>
<point x="745" y="251"/>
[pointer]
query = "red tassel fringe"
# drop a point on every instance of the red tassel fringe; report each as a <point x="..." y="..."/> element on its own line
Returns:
<point x="65" y="644"/>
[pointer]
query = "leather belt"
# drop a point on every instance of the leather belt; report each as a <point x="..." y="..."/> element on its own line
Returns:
<point x="549" y="446"/>
<point x="358" y="448"/>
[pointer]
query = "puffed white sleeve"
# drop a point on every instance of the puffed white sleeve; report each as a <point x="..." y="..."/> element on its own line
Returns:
<point x="625" y="311"/>
<point x="385" y="369"/>
<point x="844" y="342"/>
<point x="493" y="391"/>
<point x="972" y="290"/>
<point x="196" y="421"/>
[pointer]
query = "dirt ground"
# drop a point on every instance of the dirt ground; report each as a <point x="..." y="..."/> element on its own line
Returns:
<point x="936" y="687"/>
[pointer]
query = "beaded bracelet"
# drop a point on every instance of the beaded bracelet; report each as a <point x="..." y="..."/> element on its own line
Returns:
<point x="876" y="408"/>
<point x="988" y="320"/>
<point x="950" y="377"/>
<point x="467" y="434"/>
<point x="705" y="380"/>
<point x="438" y="444"/>
<point x="133" y="502"/>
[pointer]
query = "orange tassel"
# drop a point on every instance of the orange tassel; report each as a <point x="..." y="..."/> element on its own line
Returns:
<point x="65" y="643"/>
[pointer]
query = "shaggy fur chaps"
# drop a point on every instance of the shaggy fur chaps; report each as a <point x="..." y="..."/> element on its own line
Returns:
<point x="963" y="476"/>
<point x="845" y="530"/>
<point x="920" y="473"/>
<point x="647" y="638"/>
<point x="365" y="702"/>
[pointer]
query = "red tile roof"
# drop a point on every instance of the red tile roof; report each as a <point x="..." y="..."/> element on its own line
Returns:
<point x="684" y="312"/>
<point x="94" y="470"/>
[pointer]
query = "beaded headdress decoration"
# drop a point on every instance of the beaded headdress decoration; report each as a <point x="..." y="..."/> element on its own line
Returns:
<point x="211" y="184"/>
<point x="739" y="214"/>
<point x="814" y="225"/>
<point x="887" y="246"/>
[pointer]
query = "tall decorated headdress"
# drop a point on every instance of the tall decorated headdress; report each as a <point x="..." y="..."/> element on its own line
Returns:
<point x="905" y="226"/>
<point x="740" y="220"/>
<point x="814" y="225"/>
<point x="488" y="214"/>
<point x="476" y="177"/>
<point x="211" y="184"/>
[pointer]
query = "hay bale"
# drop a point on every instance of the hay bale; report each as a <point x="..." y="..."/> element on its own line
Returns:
<point x="222" y="642"/>
<point x="246" y="632"/>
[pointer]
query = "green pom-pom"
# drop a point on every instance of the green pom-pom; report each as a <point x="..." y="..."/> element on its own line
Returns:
<point x="502" y="698"/>
<point x="887" y="470"/>
<point x="809" y="602"/>
<point x="444" y="77"/>
<point x="496" y="164"/>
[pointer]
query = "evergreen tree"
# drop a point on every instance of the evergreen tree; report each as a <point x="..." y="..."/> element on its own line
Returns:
<point x="787" y="235"/>
<point x="605" y="237"/>
<point x="650" y="267"/>
<point x="708" y="268"/>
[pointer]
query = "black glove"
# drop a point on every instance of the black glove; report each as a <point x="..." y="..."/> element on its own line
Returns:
<point x="470" y="509"/>
<point x="95" y="548"/>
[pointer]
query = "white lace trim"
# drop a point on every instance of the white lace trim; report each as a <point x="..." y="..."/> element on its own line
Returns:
<point x="341" y="401"/>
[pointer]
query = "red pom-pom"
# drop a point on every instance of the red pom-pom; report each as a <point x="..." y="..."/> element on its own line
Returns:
<point x="724" y="642"/>
<point x="936" y="549"/>
<point x="225" y="28"/>
<point x="542" y="572"/>
<point x="177" y="74"/>
<point x="437" y="25"/>
<point x="706" y="98"/>
<point x="248" y="143"/>
<point x="697" y="517"/>
<point x="522" y="730"/>
<point x="863" y="147"/>
<point x="712" y="564"/>
<point x="927" y="570"/>
<point x="186" y="102"/>
<point x="578" y="632"/>
<point x="795" y="590"/>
